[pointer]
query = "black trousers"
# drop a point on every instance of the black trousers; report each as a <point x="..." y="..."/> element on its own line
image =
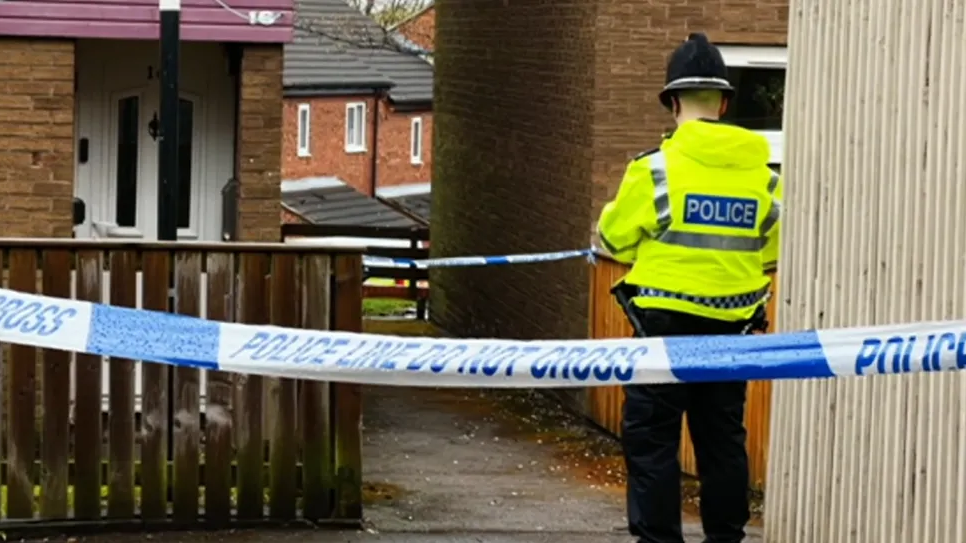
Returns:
<point x="651" y="439"/>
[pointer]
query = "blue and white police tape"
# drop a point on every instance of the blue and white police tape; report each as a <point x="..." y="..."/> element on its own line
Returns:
<point x="386" y="360"/>
<point x="461" y="261"/>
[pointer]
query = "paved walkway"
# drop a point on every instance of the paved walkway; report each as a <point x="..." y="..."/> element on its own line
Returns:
<point x="450" y="461"/>
<point x="448" y="466"/>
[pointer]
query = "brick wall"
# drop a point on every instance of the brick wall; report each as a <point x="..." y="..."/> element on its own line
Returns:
<point x="327" y="144"/>
<point x="421" y="30"/>
<point x="628" y="117"/>
<point x="531" y="142"/>
<point x="36" y="137"/>
<point x="395" y="141"/>
<point x="259" y="142"/>
<point x="512" y="164"/>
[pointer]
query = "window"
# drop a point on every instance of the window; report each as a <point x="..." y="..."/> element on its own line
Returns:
<point x="305" y="130"/>
<point x="759" y="95"/>
<point x="128" y="130"/>
<point x="758" y="76"/>
<point x="416" y="141"/>
<point x="355" y="128"/>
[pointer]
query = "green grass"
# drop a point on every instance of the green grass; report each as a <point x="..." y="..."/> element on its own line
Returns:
<point x="386" y="307"/>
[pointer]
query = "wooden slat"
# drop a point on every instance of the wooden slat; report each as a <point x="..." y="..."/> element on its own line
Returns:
<point x="57" y="265"/>
<point x="249" y="393"/>
<point x="218" y="420"/>
<point x="398" y="252"/>
<point x="21" y="443"/>
<point x="120" y="482"/>
<point x="245" y="247"/>
<point x="88" y="434"/>
<point x="323" y="230"/>
<point x="187" y="418"/>
<point x="318" y="467"/>
<point x="347" y="398"/>
<point x="284" y="447"/>
<point x="156" y="267"/>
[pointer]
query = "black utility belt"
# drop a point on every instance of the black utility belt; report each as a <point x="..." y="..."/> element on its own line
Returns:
<point x="736" y="301"/>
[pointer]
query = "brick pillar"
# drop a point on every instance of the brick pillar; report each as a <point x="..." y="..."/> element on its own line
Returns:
<point x="512" y="164"/>
<point x="36" y="137"/>
<point x="259" y="143"/>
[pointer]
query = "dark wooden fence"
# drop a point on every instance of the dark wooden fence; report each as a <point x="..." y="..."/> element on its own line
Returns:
<point x="245" y="448"/>
<point x="416" y="236"/>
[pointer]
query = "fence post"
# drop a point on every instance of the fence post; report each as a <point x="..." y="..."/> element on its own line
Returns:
<point x="347" y="397"/>
<point x="414" y="283"/>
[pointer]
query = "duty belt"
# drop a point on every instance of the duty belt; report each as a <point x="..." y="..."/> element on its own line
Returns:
<point x="717" y="302"/>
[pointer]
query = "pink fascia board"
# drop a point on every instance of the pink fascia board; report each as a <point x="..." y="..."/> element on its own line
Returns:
<point x="138" y="19"/>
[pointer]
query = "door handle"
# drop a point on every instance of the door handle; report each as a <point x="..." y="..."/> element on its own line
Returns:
<point x="154" y="127"/>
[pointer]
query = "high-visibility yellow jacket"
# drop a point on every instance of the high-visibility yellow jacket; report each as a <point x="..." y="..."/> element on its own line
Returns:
<point x="699" y="220"/>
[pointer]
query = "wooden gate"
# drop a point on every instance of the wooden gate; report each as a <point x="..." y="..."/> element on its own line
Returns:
<point x="242" y="448"/>
<point x="604" y="403"/>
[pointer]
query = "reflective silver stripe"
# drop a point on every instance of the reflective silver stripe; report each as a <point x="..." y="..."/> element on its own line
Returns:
<point x="773" y="182"/>
<point x="611" y="248"/>
<point x="775" y="210"/>
<point x="713" y="241"/>
<point x="698" y="79"/>
<point x="662" y="200"/>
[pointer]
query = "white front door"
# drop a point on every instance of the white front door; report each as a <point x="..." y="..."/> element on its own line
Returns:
<point x="118" y="123"/>
<point x="129" y="193"/>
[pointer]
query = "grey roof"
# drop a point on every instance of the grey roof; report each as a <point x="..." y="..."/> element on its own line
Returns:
<point x="335" y="46"/>
<point x="415" y="205"/>
<point x="330" y="201"/>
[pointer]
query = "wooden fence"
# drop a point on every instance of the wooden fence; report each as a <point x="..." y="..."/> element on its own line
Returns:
<point x="417" y="239"/>
<point x="604" y="403"/>
<point x="239" y="442"/>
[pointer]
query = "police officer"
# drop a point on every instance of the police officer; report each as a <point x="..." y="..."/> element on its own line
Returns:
<point x="698" y="219"/>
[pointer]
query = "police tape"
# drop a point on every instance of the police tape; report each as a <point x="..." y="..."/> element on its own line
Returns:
<point x="461" y="261"/>
<point x="84" y="327"/>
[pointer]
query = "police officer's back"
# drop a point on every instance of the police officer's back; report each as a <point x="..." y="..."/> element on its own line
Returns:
<point x="698" y="219"/>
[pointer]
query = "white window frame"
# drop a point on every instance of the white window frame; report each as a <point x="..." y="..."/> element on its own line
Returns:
<point x="304" y="121"/>
<point x="355" y="144"/>
<point x="416" y="141"/>
<point x="763" y="57"/>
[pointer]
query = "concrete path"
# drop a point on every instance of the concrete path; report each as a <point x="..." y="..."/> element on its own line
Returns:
<point x="448" y="466"/>
<point x="454" y="460"/>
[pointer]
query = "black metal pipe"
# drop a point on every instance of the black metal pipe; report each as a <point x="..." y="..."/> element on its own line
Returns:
<point x="168" y="167"/>
<point x="168" y="140"/>
<point x="373" y="179"/>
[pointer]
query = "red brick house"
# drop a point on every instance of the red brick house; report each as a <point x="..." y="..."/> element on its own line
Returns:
<point x="420" y="29"/>
<point x="358" y="103"/>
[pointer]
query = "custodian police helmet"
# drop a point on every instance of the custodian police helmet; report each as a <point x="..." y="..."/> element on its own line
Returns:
<point x="695" y="64"/>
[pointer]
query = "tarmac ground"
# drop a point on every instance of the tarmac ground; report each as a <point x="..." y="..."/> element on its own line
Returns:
<point x="472" y="465"/>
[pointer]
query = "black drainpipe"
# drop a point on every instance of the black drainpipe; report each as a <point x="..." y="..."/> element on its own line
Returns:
<point x="375" y="145"/>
